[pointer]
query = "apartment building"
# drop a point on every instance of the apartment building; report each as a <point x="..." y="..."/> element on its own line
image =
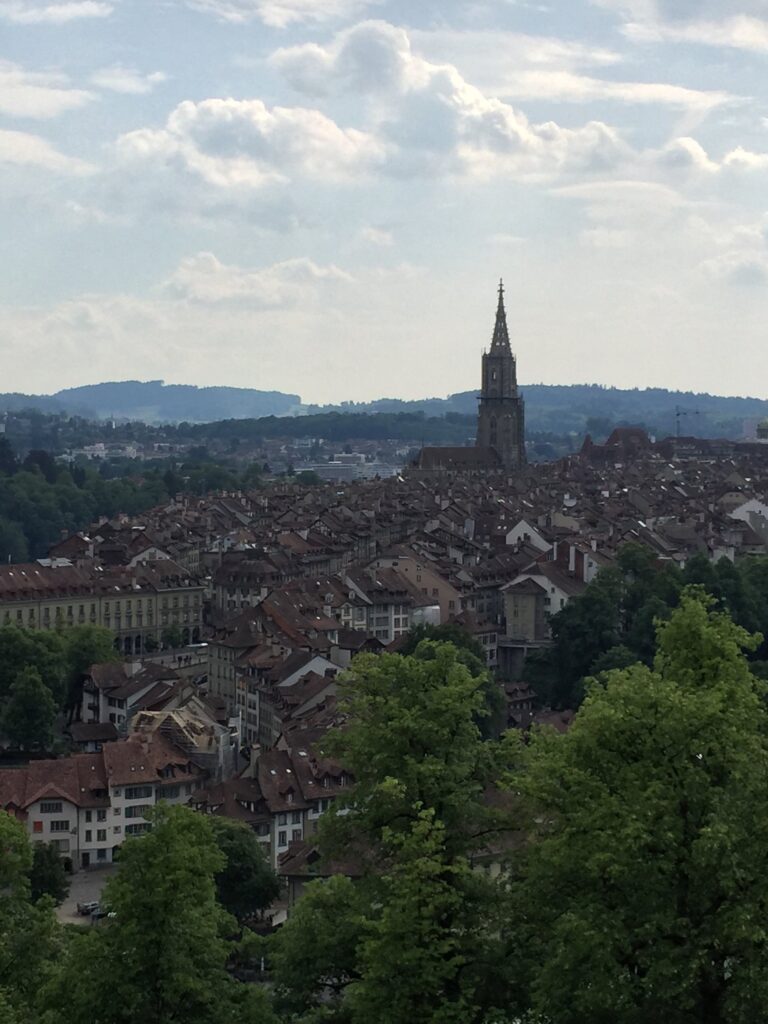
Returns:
<point x="88" y="804"/>
<point x="136" y="602"/>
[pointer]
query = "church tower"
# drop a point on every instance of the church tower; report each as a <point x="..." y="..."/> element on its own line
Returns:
<point x="501" y="415"/>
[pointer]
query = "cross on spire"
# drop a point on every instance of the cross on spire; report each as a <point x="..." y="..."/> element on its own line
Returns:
<point x="500" y="332"/>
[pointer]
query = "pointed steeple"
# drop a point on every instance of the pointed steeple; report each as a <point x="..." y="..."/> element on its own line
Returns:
<point x="500" y="333"/>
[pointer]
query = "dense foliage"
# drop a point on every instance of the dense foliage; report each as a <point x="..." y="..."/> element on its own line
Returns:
<point x="644" y="895"/>
<point x="40" y="676"/>
<point x="613" y="624"/>
<point x="40" y="498"/>
<point x="611" y="875"/>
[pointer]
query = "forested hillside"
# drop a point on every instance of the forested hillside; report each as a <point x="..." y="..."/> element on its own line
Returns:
<point x="556" y="409"/>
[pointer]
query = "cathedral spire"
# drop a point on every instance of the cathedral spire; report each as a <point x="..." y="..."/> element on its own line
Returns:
<point x="500" y="332"/>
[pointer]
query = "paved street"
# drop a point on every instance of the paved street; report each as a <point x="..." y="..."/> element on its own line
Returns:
<point x="86" y="886"/>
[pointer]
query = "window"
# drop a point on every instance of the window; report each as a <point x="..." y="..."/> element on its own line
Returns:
<point x="282" y="819"/>
<point x="137" y="811"/>
<point x="101" y="835"/>
<point x="101" y="815"/>
<point x="101" y="854"/>
<point x="138" y="792"/>
<point x="50" y="807"/>
<point x="136" y="830"/>
<point x="282" y="839"/>
<point x="88" y="836"/>
<point x="117" y="830"/>
<point x="296" y="818"/>
<point x="117" y="810"/>
<point x="170" y="792"/>
<point x="37" y="826"/>
<point x="60" y="825"/>
<point x="295" y="834"/>
<point x="88" y="816"/>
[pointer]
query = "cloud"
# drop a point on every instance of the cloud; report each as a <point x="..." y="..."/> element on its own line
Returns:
<point x="27" y="12"/>
<point x="574" y="88"/>
<point x="127" y="80"/>
<point x="744" y="160"/>
<point x="697" y="21"/>
<point x="243" y="143"/>
<point x="281" y="13"/>
<point x="23" y="149"/>
<point x="377" y="236"/>
<point x="36" y="95"/>
<point x="282" y="324"/>
<point x="740" y="32"/>
<point x="744" y="269"/>
<point x="433" y="120"/>
<point x="203" y="278"/>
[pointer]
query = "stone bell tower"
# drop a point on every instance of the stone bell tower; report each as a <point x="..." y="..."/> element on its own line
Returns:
<point x="501" y="414"/>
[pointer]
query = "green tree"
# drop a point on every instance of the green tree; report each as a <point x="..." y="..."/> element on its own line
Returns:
<point x="162" y="959"/>
<point x="414" y="819"/>
<point x="47" y="876"/>
<point x="644" y="894"/>
<point x="31" y="648"/>
<point x="85" y="646"/>
<point x="491" y="717"/>
<point x="171" y="636"/>
<point x="30" y="712"/>
<point x="314" y="956"/>
<point x="584" y="630"/>
<point x="308" y="477"/>
<point x="415" y="962"/>
<point x="246" y="884"/>
<point x="13" y="543"/>
<point x="29" y="935"/>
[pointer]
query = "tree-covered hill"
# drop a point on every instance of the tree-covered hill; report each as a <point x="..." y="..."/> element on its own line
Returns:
<point x="550" y="408"/>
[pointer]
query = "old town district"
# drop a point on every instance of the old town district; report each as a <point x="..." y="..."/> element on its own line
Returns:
<point x="268" y="596"/>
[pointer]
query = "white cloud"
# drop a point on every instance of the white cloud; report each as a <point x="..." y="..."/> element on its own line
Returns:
<point x="203" y="278"/>
<point x="281" y="13"/>
<point x="574" y="88"/>
<point x="699" y="21"/>
<point x="36" y="95"/>
<point x="745" y="269"/>
<point x="23" y="149"/>
<point x="279" y="325"/>
<point x="739" y="32"/>
<point x="127" y="80"/>
<point x="27" y="12"/>
<point x="744" y="160"/>
<point x="243" y="143"/>
<point x="433" y="119"/>
<point x="377" y="236"/>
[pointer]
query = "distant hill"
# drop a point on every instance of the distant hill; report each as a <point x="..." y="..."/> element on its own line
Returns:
<point x="550" y="409"/>
<point x="155" y="402"/>
<point x="579" y="408"/>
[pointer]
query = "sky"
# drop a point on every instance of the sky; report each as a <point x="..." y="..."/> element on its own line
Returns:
<point x="319" y="196"/>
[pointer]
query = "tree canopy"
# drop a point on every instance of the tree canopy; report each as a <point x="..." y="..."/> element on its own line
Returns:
<point x="644" y="893"/>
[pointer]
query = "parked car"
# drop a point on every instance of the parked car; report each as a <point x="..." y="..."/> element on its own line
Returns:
<point x="90" y="907"/>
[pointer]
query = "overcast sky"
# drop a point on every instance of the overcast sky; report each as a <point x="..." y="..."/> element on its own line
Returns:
<point x="319" y="196"/>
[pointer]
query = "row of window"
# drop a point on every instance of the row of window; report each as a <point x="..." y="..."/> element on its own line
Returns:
<point x="282" y="837"/>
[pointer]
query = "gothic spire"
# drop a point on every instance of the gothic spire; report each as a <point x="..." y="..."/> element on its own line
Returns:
<point x="500" y="333"/>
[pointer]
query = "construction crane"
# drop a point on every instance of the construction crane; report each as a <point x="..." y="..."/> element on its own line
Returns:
<point x="682" y="412"/>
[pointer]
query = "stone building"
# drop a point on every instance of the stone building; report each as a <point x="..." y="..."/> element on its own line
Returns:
<point x="501" y="414"/>
<point x="500" y="439"/>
